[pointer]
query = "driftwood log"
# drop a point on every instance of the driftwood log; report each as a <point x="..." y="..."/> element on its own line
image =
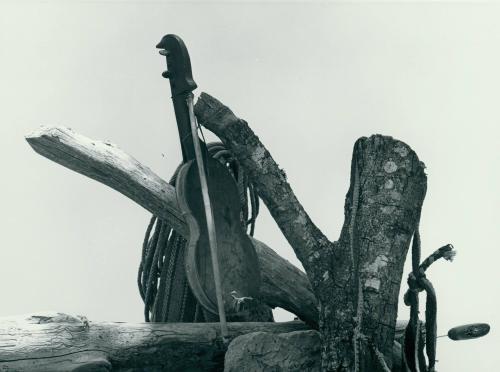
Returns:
<point x="60" y="342"/>
<point x="52" y="342"/>
<point x="283" y="284"/>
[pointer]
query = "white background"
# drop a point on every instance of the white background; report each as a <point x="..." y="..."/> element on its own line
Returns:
<point x="309" y="78"/>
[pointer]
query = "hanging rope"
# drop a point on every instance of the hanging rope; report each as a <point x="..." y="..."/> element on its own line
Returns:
<point x="161" y="277"/>
<point x="417" y="282"/>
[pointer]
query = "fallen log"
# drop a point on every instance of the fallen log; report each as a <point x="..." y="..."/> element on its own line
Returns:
<point x="283" y="284"/>
<point x="59" y="342"/>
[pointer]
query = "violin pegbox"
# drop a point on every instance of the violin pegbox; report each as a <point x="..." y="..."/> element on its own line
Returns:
<point x="178" y="64"/>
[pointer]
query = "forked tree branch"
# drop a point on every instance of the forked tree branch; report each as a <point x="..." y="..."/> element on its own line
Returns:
<point x="356" y="279"/>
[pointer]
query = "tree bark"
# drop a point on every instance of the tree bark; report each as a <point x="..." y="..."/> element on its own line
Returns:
<point x="356" y="279"/>
<point x="60" y="342"/>
<point x="282" y="285"/>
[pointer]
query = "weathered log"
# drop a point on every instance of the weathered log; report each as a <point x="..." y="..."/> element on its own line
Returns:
<point x="60" y="342"/>
<point x="283" y="284"/>
<point x="110" y="165"/>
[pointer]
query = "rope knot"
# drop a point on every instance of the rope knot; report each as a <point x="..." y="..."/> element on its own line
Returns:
<point x="416" y="282"/>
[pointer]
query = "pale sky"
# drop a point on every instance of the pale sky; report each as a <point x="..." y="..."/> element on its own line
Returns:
<point x="309" y="78"/>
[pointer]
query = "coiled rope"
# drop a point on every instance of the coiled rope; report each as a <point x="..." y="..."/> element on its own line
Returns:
<point x="417" y="282"/>
<point x="161" y="278"/>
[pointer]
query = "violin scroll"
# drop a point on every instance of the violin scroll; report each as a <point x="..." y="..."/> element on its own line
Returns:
<point x="181" y="86"/>
<point x="178" y="63"/>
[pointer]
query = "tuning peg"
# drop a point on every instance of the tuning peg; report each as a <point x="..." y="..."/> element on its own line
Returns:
<point x="166" y="74"/>
<point x="164" y="52"/>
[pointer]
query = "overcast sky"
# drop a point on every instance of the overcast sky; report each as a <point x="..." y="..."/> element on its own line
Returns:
<point x="309" y="78"/>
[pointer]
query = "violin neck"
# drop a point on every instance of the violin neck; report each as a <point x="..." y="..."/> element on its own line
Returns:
<point x="184" y="126"/>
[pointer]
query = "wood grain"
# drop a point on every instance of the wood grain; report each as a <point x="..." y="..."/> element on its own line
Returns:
<point x="60" y="342"/>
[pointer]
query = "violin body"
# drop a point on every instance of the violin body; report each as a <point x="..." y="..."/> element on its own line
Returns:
<point x="238" y="261"/>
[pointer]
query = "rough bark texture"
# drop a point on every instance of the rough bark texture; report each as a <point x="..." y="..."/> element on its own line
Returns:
<point x="382" y="211"/>
<point x="293" y="351"/>
<point x="266" y="352"/>
<point x="283" y="284"/>
<point x="356" y="279"/>
<point x="60" y="342"/>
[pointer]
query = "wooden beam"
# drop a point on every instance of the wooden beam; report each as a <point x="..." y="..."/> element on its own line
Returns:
<point x="283" y="284"/>
<point x="61" y="342"/>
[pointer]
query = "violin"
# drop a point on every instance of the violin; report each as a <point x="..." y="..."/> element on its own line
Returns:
<point x="208" y="197"/>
